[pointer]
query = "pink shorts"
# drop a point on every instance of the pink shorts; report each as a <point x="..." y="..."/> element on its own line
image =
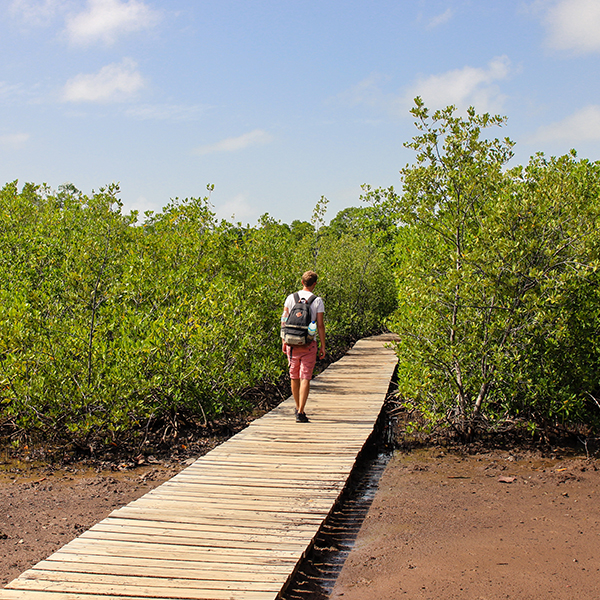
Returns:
<point x="302" y="360"/>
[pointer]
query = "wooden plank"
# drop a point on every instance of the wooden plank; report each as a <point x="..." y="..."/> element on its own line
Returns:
<point x="209" y="525"/>
<point x="251" y="500"/>
<point x="15" y="594"/>
<point x="80" y="562"/>
<point x="39" y="579"/>
<point x="228" y="543"/>
<point x="277" y="478"/>
<point x="292" y="449"/>
<point x="268" y="554"/>
<point x="269" y="457"/>
<point x="254" y="501"/>
<point x="101" y="590"/>
<point x="273" y="491"/>
<point x="246" y="512"/>
<point x="208" y="528"/>
<point x="258" y="503"/>
<point x="225" y="573"/>
<point x="293" y="468"/>
<point x="291" y="520"/>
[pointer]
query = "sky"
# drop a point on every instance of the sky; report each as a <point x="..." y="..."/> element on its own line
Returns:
<point x="277" y="103"/>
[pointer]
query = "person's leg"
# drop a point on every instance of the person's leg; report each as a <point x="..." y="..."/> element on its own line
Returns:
<point x="294" y="364"/>
<point x="296" y="393"/>
<point x="307" y="365"/>
<point x="303" y="390"/>
<point x="301" y="361"/>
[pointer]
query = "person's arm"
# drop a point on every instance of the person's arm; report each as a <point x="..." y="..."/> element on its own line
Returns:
<point x="284" y="316"/>
<point x="321" y="330"/>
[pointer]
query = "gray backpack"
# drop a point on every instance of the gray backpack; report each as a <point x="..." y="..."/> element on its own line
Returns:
<point x="295" y="330"/>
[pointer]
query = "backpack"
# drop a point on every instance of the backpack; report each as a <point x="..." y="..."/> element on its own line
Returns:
<point x="294" y="331"/>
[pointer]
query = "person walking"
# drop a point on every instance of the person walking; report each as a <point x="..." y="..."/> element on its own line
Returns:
<point x="302" y="359"/>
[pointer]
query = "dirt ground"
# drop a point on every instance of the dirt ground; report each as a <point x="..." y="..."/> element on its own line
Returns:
<point x="497" y="525"/>
<point x="486" y="527"/>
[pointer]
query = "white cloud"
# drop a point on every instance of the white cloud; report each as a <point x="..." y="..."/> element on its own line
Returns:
<point x="440" y="19"/>
<point x="237" y="209"/>
<point x="106" y="20"/>
<point x="167" y="112"/>
<point x="37" y="12"/>
<point x="14" y="140"/>
<point x="582" y="126"/>
<point x="141" y="204"/>
<point x="113" y="83"/>
<point x="463" y="87"/>
<point x="469" y="86"/>
<point x="258" y="137"/>
<point x="574" y="25"/>
<point x="368" y="92"/>
<point x="8" y="90"/>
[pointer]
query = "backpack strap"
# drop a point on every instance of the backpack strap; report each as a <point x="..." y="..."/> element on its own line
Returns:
<point x="308" y="301"/>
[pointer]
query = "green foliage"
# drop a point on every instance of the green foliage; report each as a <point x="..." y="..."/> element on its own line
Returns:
<point x="301" y="229"/>
<point x="549" y="223"/>
<point x="357" y="285"/>
<point x="106" y="324"/>
<point x="497" y="275"/>
<point x="376" y="224"/>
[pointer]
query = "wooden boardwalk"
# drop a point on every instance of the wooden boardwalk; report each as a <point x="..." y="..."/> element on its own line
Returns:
<point x="236" y="523"/>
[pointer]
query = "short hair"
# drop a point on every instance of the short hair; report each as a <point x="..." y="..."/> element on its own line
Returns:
<point x="309" y="278"/>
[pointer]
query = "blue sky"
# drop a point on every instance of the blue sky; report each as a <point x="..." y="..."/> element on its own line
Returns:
<point x="277" y="103"/>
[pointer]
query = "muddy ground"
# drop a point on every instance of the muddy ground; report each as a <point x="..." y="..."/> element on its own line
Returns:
<point x="494" y="525"/>
<point x="491" y="526"/>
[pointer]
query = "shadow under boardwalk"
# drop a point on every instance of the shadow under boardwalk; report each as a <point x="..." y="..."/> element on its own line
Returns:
<point x="237" y="522"/>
